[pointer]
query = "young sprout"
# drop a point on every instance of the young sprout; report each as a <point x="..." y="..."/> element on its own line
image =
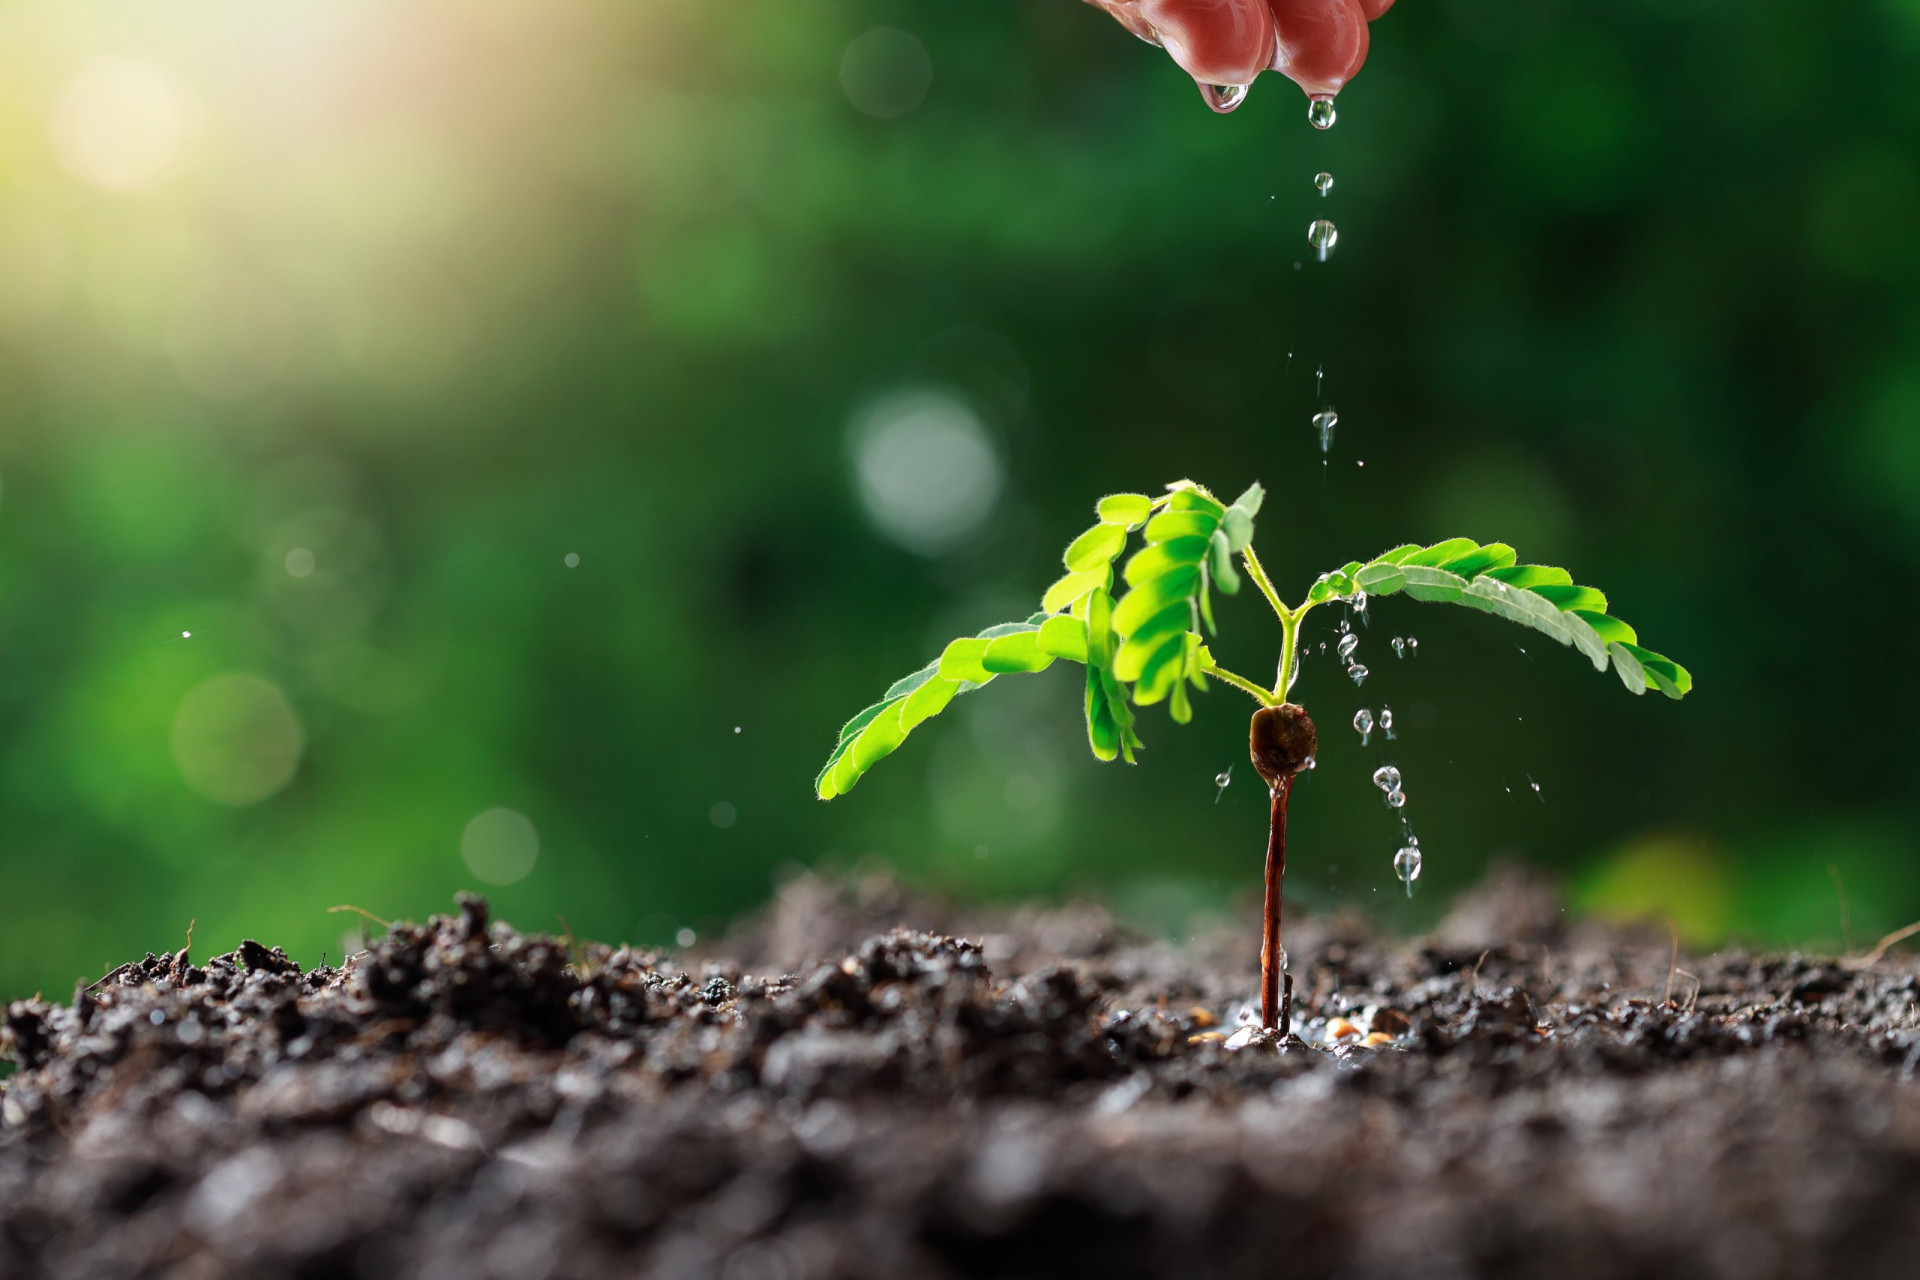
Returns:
<point x="1139" y="635"/>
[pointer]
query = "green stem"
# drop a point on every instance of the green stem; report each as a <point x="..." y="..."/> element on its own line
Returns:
<point x="1289" y="644"/>
<point x="1258" y="573"/>
<point x="1241" y="683"/>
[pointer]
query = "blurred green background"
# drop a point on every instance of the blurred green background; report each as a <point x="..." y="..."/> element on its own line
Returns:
<point x="550" y="421"/>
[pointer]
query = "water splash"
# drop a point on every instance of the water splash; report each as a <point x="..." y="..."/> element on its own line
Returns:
<point x="1323" y="183"/>
<point x="1320" y="112"/>
<point x="1324" y="422"/>
<point x="1323" y="236"/>
<point x="1223" y="98"/>
<point x="1363" y="724"/>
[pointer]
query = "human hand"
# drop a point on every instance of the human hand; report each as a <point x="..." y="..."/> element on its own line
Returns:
<point x="1224" y="44"/>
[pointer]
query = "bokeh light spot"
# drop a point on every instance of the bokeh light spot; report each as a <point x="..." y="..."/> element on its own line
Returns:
<point x="120" y="124"/>
<point x="886" y="72"/>
<point x="236" y="739"/>
<point x="723" y="815"/>
<point x="300" y="562"/>
<point x="500" y="846"/>
<point x="927" y="471"/>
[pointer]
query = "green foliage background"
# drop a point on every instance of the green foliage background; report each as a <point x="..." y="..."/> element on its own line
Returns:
<point x="444" y="292"/>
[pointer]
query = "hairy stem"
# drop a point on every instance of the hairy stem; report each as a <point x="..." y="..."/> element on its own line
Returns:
<point x="1289" y="654"/>
<point x="1239" y="682"/>
<point x="1258" y="573"/>
<point x="1272" y="1015"/>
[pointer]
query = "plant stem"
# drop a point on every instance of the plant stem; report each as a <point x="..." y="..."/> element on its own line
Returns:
<point x="1271" y="955"/>
<point x="1258" y="573"/>
<point x="1239" y="682"/>
<point x="1289" y="645"/>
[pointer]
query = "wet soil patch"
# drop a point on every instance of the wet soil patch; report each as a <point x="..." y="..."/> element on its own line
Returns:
<point x="859" y="1085"/>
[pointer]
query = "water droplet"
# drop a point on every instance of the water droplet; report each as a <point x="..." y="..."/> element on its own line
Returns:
<point x="1319" y="376"/>
<point x="1324" y="422"/>
<point x="186" y="635"/>
<point x="1223" y="97"/>
<point x="1396" y="799"/>
<point x="1399" y="647"/>
<point x="1413" y="646"/>
<point x="1387" y="778"/>
<point x="1313" y="762"/>
<point x="736" y="728"/>
<point x="1323" y="182"/>
<point x="1386" y="721"/>
<point x="1348" y="643"/>
<point x="1358" y="672"/>
<point x="1406" y="864"/>
<point x="1320" y="112"/>
<point x="1363" y="724"/>
<point x="1323" y="235"/>
<point x="1360" y="601"/>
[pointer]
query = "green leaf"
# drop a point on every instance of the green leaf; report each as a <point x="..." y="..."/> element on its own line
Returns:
<point x="1128" y="510"/>
<point x="964" y="665"/>
<point x="1068" y="591"/>
<point x="1440" y="552"/>
<point x="1532" y="576"/>
<point x="1250" y="501"/>
<point x="1162" y="558"/>
<point x="1495" y="555"/>
<point x="1064" y="637"/>
<point x="1096" y="548"/>
<point x="1149" y="598"/>
<point x="1136" y="656"/>
<point x="1570" y="597"/>
<point x="1187" y="496"/>
<point x="1461" y="571"/>
<point x="1169" y="525"/>
<point x="1221" y="562"/>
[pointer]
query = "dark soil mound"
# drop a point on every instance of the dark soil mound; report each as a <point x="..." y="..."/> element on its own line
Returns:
<point x="1039" y="1096"/>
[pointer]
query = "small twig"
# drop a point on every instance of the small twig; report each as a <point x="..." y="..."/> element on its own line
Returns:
<point x="105" y="977"/>
<point x="1693" y="997"/>
<point x="1673" y="962"/>
<point x="1885" y="945"/>
<point x="362" y="911"/>
<point x="1474" y="975"/>
<point x="1846" y="922"/>
<point x="190" y="924"/>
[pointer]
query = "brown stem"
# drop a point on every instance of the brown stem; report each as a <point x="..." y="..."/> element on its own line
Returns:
<point x="1273" y="1013"/>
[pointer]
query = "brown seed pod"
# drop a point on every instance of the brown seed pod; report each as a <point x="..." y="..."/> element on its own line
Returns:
<point x="1281" y="742"/>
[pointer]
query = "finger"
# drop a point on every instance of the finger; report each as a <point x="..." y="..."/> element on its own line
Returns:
<point x="1217" y="42"/>
<point x="1322" y="43"/>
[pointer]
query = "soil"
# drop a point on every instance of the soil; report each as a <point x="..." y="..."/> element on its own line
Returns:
<point x="1015" y="1094"/>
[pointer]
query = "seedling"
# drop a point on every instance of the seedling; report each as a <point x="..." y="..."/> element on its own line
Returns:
<point x="1145" y="647"/>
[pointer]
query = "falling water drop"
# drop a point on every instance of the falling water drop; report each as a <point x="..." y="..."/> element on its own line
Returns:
<point x="1322" y="235"/>
<point x="1358" y="672"/>
<point x="1324" y="422"/>
<point x="1387" y="778"/>
<point x="1222" y="779"/>
<point x="1348" y="643"/>
<point x="1413" y="646"/>
<point x="1223" y="97"/>
<point x="1359" y="603"/>
<point x="1323" y="183"/>
<point x="1396" y="799"/>
<point x="1406" y="865"/>
<point x="1399" y="647"/>
<point x="1319" y="378"/>
<point x="1386" y="721"/>
<point x="1320" y="112"/>
<point x="1363" y="724"/>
